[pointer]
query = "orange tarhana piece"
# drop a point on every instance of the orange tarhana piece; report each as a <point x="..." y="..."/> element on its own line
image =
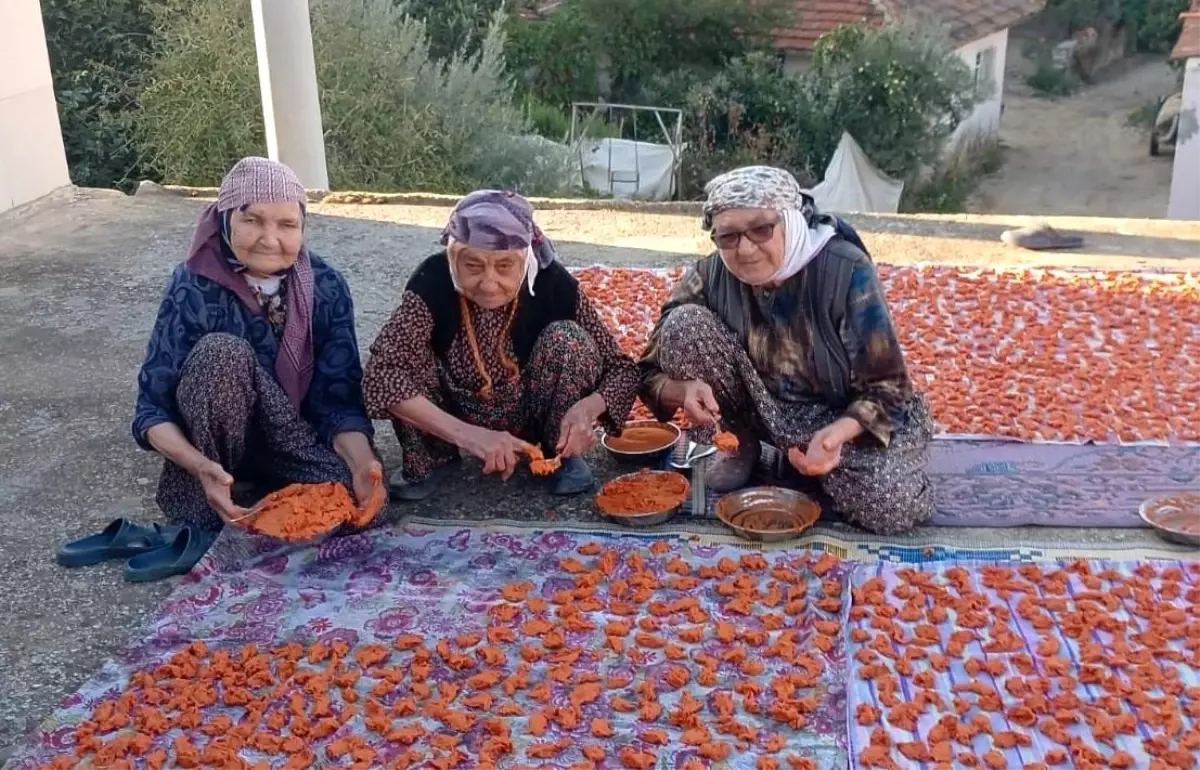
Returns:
<point x="538" y="464"/>
<point x="643" y="492"/>
<point x="622" y="656"/>
<point x="725" y="441"/>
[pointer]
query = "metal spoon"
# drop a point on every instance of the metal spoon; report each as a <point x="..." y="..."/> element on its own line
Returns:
<point x="692" y="455"/>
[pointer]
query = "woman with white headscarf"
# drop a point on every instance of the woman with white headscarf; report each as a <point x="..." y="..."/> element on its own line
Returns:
<point x="493" y="348"/>
<point x="784" y="335"/>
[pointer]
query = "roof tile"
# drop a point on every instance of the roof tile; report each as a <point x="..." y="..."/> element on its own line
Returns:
<point x="1188" y="45"/>
<point x="966" y="20"/>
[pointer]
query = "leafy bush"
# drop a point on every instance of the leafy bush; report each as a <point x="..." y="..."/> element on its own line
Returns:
<point x="394" y="116"/>
<point x="612" y="49"/>
<point x="900" y="90"/>
<point x="453" y="26"/>
<point x="1049" y="81"/>
<point x="751" y="112"/>
<point x="97" y="57"/>
<point x="1153" y="25"/>
<point x="201" y="106"/>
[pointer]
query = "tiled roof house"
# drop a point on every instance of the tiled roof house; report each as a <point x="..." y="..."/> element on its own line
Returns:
<point x="966" y="20"/>
<point x="977" y="28"/>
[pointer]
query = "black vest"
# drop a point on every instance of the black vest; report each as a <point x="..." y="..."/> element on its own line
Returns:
<point x="556" y="298"/>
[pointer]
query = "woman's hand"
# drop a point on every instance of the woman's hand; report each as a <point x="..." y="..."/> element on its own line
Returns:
<point x="699" y="403"/>
<point x="499" y="450"/>
<point x="825" y="450"/>
<point x="367" y="479"/>
<point x="577" y="432"/>
<point x="218" y="486"/>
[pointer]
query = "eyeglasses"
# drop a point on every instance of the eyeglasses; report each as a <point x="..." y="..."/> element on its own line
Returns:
<point x="757" y="234"/>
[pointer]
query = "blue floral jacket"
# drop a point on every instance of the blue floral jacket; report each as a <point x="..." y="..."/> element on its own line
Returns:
<point x="194" y="306"/>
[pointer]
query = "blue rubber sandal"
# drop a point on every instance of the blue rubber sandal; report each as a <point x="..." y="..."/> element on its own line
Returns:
<point x="121" y="539"/>
<point x="178" y="558"/>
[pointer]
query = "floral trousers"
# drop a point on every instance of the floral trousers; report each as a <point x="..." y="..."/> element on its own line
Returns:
<point x="234" y="412"/>
<point x="563" y="368"/>
<point x="882" y="489"/>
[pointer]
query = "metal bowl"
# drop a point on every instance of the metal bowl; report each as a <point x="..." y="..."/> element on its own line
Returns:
<point x="1175" y="509"/>
<point x="650" y="518"/>
<point x="767" y="514"/>
<point x="643" y="456"/>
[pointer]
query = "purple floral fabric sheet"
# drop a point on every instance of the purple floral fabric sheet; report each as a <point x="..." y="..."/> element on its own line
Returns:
<point x="440" y="582"/>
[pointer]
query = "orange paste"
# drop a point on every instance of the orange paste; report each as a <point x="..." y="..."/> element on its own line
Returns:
<point x="642" y="438"/>
<point x="301" y="512"/>
<point x="643" y="492"/>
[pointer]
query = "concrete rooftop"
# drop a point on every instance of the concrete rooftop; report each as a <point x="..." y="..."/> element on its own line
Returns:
<point x="80" y="281"/>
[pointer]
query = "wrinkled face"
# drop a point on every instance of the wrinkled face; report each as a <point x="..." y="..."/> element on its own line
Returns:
<point x="490" y="279"/>
<point x="266" y="237"/>
<point x="751" y="243"/>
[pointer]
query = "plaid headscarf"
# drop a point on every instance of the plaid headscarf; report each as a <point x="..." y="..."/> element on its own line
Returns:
<point x="258" y="180"/>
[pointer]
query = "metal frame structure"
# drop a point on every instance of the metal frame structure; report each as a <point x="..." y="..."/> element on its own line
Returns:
<point x="582" y="114"/>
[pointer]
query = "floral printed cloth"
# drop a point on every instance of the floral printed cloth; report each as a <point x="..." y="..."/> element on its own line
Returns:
<point x="440" y="582"/>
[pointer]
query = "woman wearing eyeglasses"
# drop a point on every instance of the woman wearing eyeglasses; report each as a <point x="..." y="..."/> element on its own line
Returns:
<point x="784" y="335"/>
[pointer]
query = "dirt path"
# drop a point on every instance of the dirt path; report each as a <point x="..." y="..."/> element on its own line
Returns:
<point x="1078" y="155"/>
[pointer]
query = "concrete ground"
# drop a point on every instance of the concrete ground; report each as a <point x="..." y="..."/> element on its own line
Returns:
<point x="1079" y="155"/>
<point x="80" y="280"/>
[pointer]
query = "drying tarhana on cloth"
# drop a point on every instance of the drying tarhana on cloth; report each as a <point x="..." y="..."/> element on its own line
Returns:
<point x="472" y="648"/>
<point x="1036" y="355"/>
<point x="1086" y="664"/>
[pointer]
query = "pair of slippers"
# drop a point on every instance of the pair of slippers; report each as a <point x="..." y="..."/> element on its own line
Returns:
<point x="154" y="552"/>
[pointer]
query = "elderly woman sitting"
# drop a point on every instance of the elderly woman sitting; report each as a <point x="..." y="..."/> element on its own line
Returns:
<point x="493" y="346"/>
<point x="252" y="371"/>
<point x="784" y="335"/>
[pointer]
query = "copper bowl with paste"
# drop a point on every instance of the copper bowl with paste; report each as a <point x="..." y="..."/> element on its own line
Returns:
<point x="642" y="441"/>
<point x="767" y="514"/>
<point x="1175" y="517"/>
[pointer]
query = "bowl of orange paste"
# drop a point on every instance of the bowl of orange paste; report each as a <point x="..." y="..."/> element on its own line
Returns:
<point x="643" y="499"/>
<point x="642" y="441"/>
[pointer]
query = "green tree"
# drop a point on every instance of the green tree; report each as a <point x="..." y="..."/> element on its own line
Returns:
<point x="453" y="26"/>
<point x="1153" y="25"/>
<point x="98" y="60"/>
<point x="615" y="48"/>
<point x="900" y="90"/>
<point x="395" y="117"/>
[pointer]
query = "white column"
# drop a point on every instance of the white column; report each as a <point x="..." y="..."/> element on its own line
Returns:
<point x="287" y="74"/>
<point x="32" y="160"/>
<point x="1185" y="178"/>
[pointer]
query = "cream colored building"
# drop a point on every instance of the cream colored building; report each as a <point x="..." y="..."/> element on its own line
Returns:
<point x="32" y="160"/>
<point x="1185" y="180"/>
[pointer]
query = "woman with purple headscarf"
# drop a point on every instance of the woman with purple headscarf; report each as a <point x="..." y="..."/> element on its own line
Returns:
<point x="252" y="371"/>
<point x="493" y="346"/>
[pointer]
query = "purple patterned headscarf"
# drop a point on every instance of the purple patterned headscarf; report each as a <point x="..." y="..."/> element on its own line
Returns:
<point x="258" y="180"/>
<point x="499" y="220"/>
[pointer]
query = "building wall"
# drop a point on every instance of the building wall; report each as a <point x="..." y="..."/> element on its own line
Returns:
<point x="985" y="57"/>
<point x="1185" y="178"/>
<point x="32" y="160"/>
